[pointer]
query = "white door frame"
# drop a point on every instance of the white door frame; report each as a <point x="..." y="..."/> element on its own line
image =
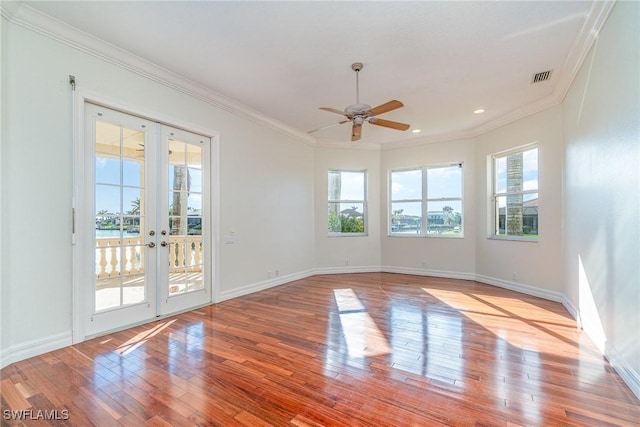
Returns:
<point x="81" y="244"/>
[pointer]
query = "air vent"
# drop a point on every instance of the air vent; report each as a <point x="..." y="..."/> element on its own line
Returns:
<point x="541" y="77"/>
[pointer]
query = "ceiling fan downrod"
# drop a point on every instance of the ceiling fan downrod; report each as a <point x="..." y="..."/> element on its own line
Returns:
<point x="357" y="66"/>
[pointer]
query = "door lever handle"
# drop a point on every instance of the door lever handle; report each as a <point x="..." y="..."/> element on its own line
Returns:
<point x="151" y="245"/>
<point x="163" y="244"/>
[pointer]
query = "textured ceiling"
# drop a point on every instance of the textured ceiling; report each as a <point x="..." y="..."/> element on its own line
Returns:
<point x="443" y="60"/>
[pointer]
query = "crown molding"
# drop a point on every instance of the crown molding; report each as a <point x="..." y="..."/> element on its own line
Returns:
<point x="366" y="146"/>
<point x="594" y="21"/>
<point x="36" y="21"/>
<point x="31" y="19"/>
<point x="581" y="47"/>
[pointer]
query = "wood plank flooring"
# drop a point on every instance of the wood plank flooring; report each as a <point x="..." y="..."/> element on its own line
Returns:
<point x="335" y="350"/>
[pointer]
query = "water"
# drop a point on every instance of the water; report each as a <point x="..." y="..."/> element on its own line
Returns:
<point x="115" y="233"/>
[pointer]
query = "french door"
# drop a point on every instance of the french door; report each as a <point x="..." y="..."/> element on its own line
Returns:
<point x="147" y="190"/>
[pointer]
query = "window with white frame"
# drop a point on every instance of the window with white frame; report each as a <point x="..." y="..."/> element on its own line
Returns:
<point x="347" y="202"/>
<point x="426" y="201"/>
<point x="515" y="194"/>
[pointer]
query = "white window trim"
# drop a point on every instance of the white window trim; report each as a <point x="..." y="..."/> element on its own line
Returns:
<point x="494" y="194"/>
<point x="424" y="200"/>
<point x="364" y="204"/>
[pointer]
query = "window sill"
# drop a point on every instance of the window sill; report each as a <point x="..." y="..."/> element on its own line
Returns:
<point x="514" y="238"/>
<point x="425" y="236"/>
<point x="347" y="234"/>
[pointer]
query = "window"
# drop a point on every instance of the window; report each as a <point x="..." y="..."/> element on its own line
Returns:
<point x="426" y="201"/>
<point x="347" y="202"/>
<point x="515" y="194"/>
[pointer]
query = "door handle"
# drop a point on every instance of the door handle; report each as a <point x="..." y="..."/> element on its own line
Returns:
<point x="151" y="245"/>
<point x="163" y="244"/>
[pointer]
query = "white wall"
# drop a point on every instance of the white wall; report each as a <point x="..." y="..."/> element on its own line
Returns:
<point x="442" y="256"/>
<point x="266" y="180"/>
<point x="4" y="290"/>
<point x="267" y="197"/>
<point x="362" y="252"/>
<point x="537" y="265"/>
<point x="602" y="191"/>
<point x="273" y="192"/>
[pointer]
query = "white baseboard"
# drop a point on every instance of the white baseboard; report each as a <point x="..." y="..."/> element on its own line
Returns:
<point x="347" y="269"/>
<point x="33" y="348"/>
<point x="627" y="373"/>
<point x="630" y="376"/>
<point x="573" y="311"/>
<point x="521" y="287"/>
<point x="430" y="273"/>
<point x="265" y="284"/>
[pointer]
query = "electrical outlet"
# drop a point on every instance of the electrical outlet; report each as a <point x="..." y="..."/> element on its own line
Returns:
<point x="277" y="273"/>
<point x="346" y="261"/>
<point x="424" y="264"/>
<point x="269" y="274"/>
<point x="515" y="276"/>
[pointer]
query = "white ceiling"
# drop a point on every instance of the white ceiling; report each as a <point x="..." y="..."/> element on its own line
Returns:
<point x="443" y="60"/>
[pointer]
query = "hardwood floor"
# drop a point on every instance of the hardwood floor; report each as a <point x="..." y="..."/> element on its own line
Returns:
<point x="355" y="349"/>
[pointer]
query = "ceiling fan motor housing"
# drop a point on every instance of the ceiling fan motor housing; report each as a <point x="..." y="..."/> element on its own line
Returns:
<point x="359" y="113"/>
<point x="357" y="109"/>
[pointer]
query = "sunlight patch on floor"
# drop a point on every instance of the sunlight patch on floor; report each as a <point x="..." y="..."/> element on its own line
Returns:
<point x="142" y="338"/>
<point x="361" y="334"/>
<point x="513" y="325"/>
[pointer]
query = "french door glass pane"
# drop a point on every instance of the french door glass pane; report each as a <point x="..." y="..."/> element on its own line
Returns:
<point x="185" y="185"/>
<point x="119" y="200"/>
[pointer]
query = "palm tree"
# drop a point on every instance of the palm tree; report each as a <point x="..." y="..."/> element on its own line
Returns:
<point x="447" y="213"/>
<point x="514" y="201"/>
<point x="135" y="207"/>
<point x="102" y="213"/>
<point x="335" y="186"/>
<point x="181" y="185"/>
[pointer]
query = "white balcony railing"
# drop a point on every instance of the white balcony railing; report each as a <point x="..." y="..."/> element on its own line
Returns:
<point x="185" y="252"/>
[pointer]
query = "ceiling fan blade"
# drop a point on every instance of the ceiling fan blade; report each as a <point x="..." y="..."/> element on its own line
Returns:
<point x="329" y="126"/>
<point x="356" y="132"/>
<point x="389" y="124"/>
<point x="389" y="106"/>
<point x="332" y="110"/>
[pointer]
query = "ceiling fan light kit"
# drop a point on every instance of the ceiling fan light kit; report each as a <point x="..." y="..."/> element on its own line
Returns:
<point x="359" y="113"/>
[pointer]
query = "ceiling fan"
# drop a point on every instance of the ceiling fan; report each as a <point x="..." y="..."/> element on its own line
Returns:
<point x="360" y="113"/>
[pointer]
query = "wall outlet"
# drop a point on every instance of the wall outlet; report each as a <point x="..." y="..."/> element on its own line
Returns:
<point x="277" y="273"/>
<point x="346" y="261"/>
<point x="515" y="276"/>
<point x="424" y="264"/>
<point x="269" y="274"/>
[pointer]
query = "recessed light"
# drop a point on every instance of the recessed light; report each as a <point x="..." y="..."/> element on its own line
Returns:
<point x="479" y="111"/>
<point x="416" y="131"/>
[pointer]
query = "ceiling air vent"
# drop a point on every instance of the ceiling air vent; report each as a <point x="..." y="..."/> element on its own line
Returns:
<point x="541" y="77"/>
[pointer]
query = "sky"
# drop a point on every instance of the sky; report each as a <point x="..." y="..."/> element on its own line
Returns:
<point x="107" y="172"/>
<point x="442" y="182"/>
